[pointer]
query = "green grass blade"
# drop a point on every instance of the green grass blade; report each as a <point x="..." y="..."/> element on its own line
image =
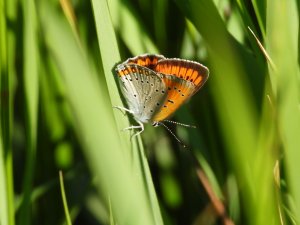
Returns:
<point x="110" y="55"/>
<point x="125" y="21"/>
<point x="3" y="193"/>
<point x="95" y="124"/>
<point x="237" y="111"/>
<point x="64" y="198"/>
<point x="282" y="41"/>
<point x="260" y="11"/>
<point x="6" y="114"/>
<point x="4" y="203"/>
<point x="31" y="103"/>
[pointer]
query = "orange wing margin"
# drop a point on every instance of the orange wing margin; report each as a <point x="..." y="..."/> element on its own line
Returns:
<point x="147" y="60"/>
<point x="184" y="69"/>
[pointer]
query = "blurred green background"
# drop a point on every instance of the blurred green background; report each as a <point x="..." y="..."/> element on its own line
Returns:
<point x="58" y="89"/>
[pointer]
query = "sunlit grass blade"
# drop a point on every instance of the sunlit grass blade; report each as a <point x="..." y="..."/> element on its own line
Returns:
<point x="260" y="12"/>
<point x="282" y="41"/>
<point x="64" y="198"/>
<point x="130" y="28"/>
<point x="31" y="103"/>
<point x="4" y="200"/>
<point x="110" y="56"/>
<point x="250" y="21"/>
<point x="7" y="48"/>
<point x="244" y="13"/>
<point x="70" y="14"/>
<point x="95" y="124"/>
<point x="263" y="50"/>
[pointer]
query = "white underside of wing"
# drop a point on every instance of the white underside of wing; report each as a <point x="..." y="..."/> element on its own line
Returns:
<point x="144" y="92"/>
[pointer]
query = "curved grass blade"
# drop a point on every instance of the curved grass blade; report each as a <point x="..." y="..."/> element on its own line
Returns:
<point x="31" y="103"/>
<point x="109" y="160"/>
<point x="64" y="198"/>
<point x="110" y="56"/>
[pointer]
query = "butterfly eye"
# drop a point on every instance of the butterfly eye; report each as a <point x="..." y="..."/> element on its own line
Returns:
<point x="155" y="124"/>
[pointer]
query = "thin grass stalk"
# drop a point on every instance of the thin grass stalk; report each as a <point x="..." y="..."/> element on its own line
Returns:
<point x="64" y="198"/>
<point x="6" y="115"/>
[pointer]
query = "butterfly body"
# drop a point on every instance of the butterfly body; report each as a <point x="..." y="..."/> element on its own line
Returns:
<point x="155" y="87"/>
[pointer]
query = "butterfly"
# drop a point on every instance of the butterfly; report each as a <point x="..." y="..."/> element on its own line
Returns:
<point x="154" y="87"/>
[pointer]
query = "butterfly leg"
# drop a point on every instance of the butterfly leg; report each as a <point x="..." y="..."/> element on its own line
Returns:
<point x="142" y="129"/>
<point x="123" y="108"/>
<point x="141" y="126"/>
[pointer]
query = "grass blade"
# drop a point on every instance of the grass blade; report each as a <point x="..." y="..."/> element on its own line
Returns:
<point x="31" y="103"/>
<point x="7" y="48"/>
<point x="282" y="21"/>
<point x="125" y="22"/>
<point x="64" y="198"/>
<point x="237" y="110"/>
<point x="110" y="55"/>
<point x="95" y="124"/>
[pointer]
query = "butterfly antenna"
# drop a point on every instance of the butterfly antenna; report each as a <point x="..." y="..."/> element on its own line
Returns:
<point x="180" y="124"/>
<point x="171" y="132"/>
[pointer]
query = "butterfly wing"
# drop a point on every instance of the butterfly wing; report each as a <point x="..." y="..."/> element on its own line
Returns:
<point x="146" y="60"/>
<point x="191" y="71"/>
<point x="178" y="92"/>
<point x="183" y="78"/>
<point x="143" y="89"/>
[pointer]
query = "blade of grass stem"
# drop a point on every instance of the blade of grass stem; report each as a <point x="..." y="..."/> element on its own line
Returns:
<point x="95" y="123"/>
<point x="6" y="115"/>
<point x="64" y="198"/>
<point x="110" y="56"/>
<point x="282" y="22"/>
<point x="31" y="104"/>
